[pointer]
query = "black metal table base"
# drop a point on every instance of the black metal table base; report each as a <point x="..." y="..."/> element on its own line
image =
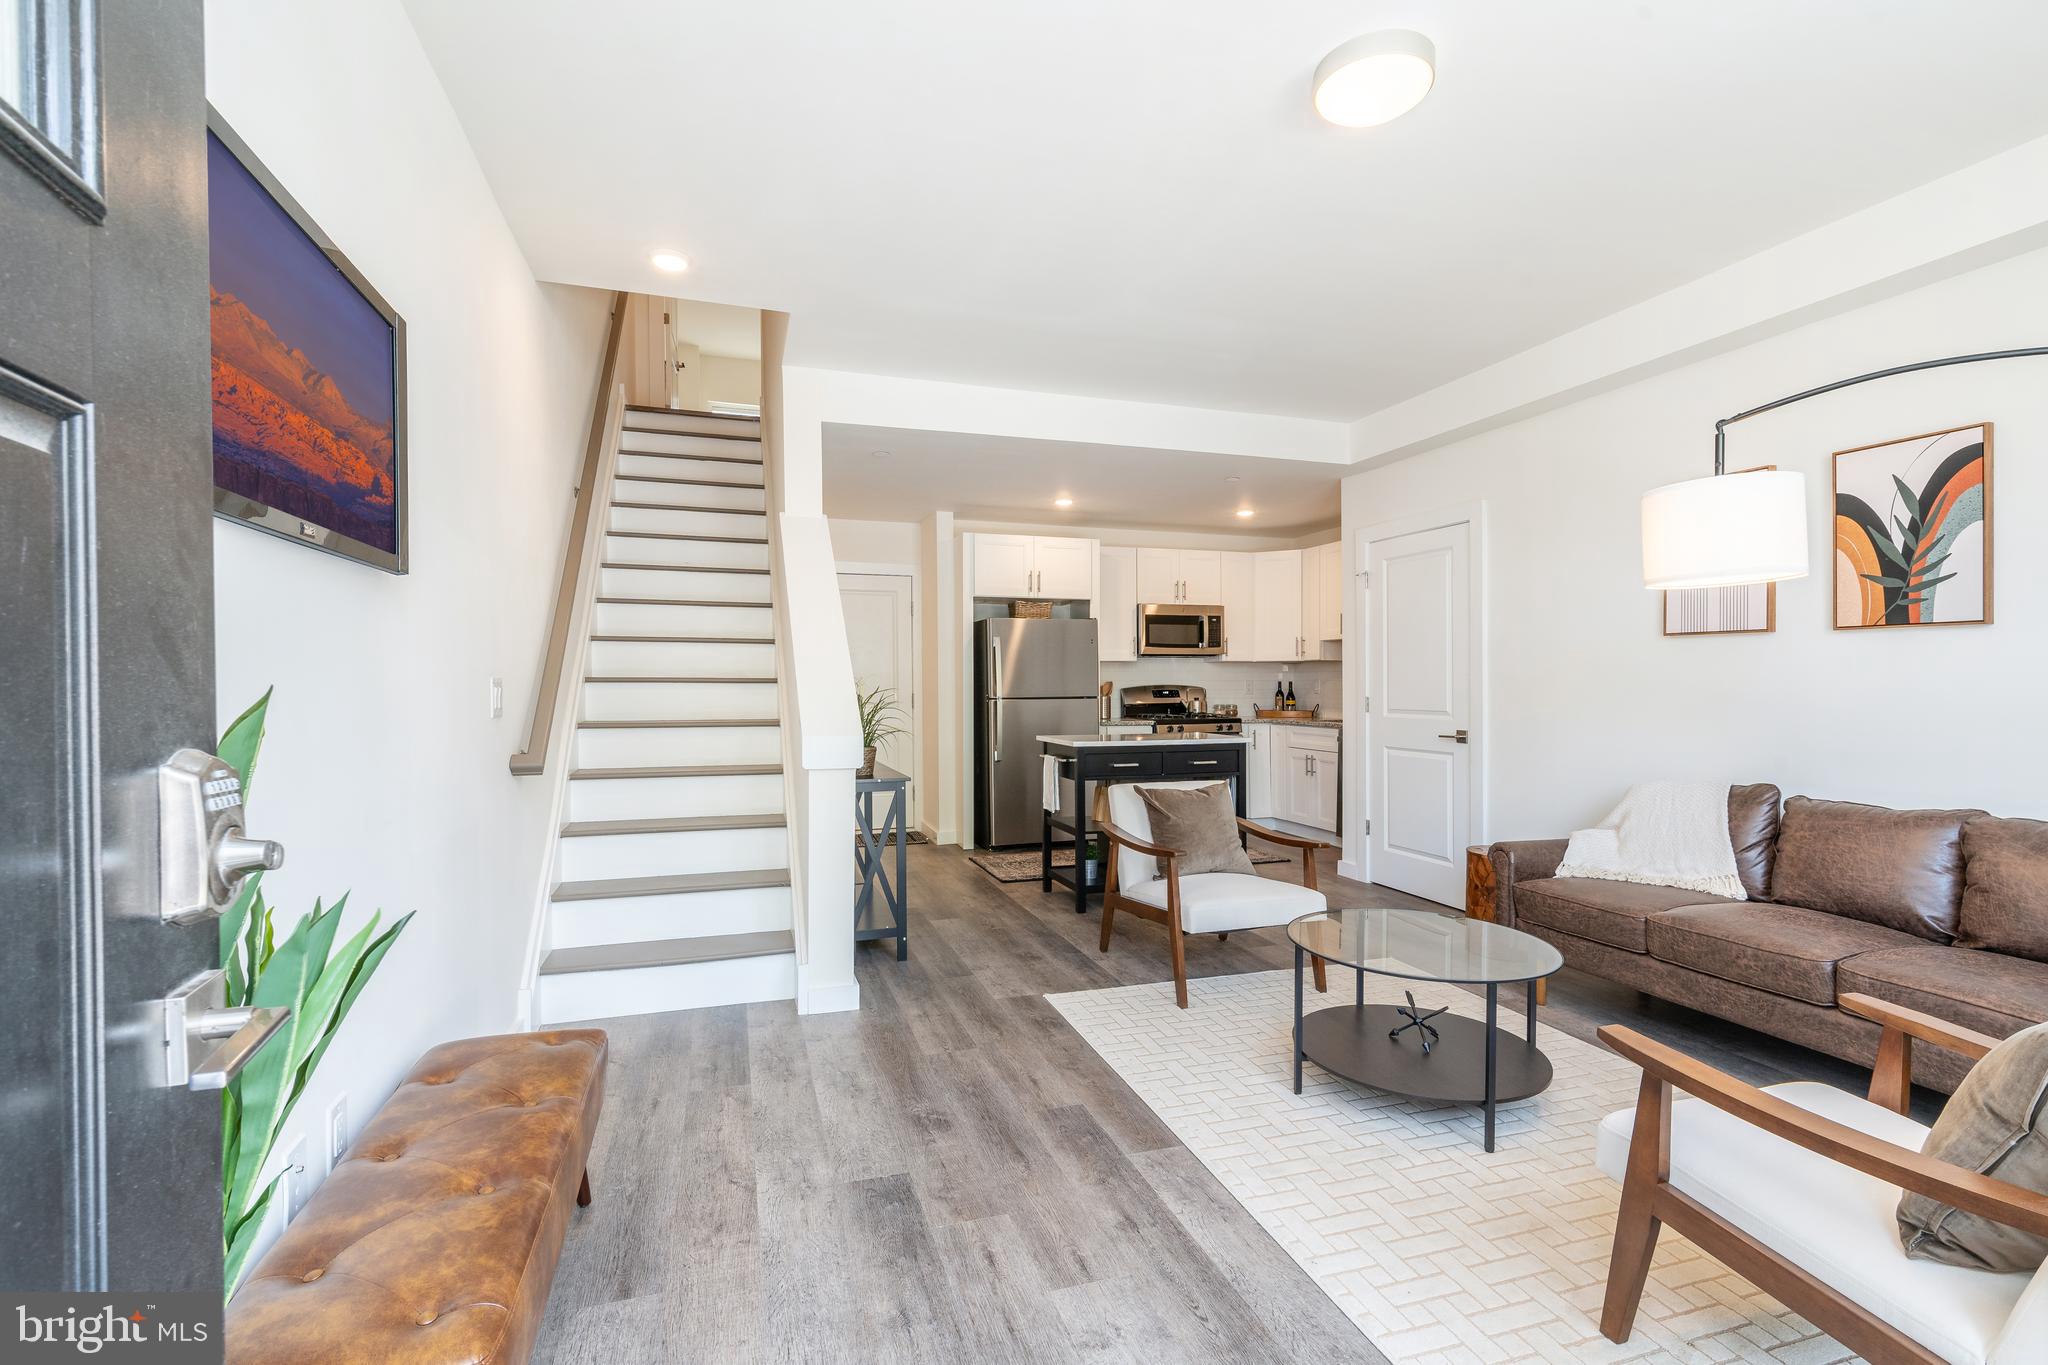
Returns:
<point x="1449" y="1058"/>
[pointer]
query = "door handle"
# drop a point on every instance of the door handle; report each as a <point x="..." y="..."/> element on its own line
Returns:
<point x="1459" y="737"/>
<point x="206" y="1044"/>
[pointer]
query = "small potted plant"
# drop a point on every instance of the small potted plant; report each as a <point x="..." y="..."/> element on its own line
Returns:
<point x="879" y="711"/>
<point x="1092" y="874"/>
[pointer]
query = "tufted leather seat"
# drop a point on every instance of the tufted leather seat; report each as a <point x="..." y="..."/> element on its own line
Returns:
<point x="435" y="1239"/>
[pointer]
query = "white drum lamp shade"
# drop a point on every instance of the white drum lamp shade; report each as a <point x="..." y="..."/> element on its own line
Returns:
<point x="1724" y="530"/>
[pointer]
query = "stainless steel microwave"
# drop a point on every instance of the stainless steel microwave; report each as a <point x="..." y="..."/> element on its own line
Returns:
<point x="1179" y="628"/>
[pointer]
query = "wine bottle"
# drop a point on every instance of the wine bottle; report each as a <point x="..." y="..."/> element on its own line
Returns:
<point x="1290" y="697"/>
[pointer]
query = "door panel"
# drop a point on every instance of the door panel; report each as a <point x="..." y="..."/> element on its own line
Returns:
<point x="1158" y="575"/>
<point x="1066" y="568"/>
<point x="1002" y="566"/>
<point x="1116" y="606"/>
<point x="1014" y="778"/>
<point x="1051" y="658"/>
<point x="881" y="638"/>
<point x="1276" y="584"/>
<point x="1235" y="595"/>
<point x="1201" y="576"/>
<point x="1420" y="683"/>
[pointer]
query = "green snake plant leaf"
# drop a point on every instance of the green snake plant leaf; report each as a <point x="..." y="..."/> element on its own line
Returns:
<point x="241" y="1236"/>
<point x="321" y="1002"/>
<point x="244" y="741"/>
<point x="233" y="925"/>
<point x="358" y="979"/>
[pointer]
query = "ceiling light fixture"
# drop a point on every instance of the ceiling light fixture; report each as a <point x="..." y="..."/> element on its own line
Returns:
<point x="1375" y="79"/>
<point x="1244" y="511"/>
<point x="1063" y="501"/>
<point x="671" y="262"/>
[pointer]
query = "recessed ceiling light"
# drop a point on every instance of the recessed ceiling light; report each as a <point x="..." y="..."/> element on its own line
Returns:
<point x="878" y="454"/>
<point x="1063" y="501"/>
<point x="671" y="262"/>
<point x="1375" y="79"/>
<point x="1230" y="478"/>
<point x="1244" y="511"/>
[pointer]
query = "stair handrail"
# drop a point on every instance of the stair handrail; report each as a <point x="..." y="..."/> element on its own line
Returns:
<point x="532" y="760"/>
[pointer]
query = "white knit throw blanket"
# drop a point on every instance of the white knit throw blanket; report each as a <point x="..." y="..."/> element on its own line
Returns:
<point x="1662" y="834"/>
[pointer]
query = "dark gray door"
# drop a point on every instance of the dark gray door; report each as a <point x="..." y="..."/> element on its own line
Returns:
<point x="111" y="1177"/>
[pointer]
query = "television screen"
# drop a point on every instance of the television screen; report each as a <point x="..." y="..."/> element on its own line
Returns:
<point x="307" y="379"/>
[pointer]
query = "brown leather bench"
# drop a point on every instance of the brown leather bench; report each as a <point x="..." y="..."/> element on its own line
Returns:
<point x="435" y="1239"/>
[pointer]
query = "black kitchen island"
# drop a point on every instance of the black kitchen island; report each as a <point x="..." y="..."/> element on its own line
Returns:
<point x="1101" y="759"/>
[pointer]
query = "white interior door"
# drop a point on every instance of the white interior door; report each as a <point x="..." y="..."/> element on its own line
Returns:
<point x="882" y="638"/>
<point x="1419" y="769"/>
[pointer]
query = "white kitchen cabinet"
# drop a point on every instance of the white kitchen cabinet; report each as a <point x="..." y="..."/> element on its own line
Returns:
<point x="1305" y="775"/>
<point x="1330" y="591"/>
<point x="1311" y="600"/>
<point x="1166" y="575"/>
<point x="1057" y="567"/>
<point x="1276" y="606"/>
<point x="1259" y="753"/>
<point x="1116" y="605"/>
<point x="1234" y="572"/>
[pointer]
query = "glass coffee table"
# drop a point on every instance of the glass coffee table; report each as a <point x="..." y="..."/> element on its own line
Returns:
<point x="1404" y="1048"/>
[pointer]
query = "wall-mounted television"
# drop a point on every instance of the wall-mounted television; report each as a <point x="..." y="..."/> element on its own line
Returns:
<point x="308" y="373"/>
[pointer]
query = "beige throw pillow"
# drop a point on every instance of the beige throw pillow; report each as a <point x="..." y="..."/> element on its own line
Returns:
<point x="1994" y="1124"/>
<point x="1200" y="824"/>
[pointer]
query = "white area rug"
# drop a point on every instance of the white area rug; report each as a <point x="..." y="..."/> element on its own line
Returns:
<point x="1438" y="1250"/>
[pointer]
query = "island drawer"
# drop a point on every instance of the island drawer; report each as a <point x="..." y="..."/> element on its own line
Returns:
<point x="1202" y="763"/>
<point x="1123" y="762"/>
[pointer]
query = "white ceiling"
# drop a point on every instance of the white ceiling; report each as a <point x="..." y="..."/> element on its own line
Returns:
<point x="1009" y="478"/>
<point x="1134" y="199"/>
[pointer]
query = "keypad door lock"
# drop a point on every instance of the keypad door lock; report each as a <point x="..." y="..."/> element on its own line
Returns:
<point x="202" y="854"/>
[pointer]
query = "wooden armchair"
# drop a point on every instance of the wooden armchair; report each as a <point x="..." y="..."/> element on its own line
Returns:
<point x="1796" y="1187"/>
<point x="1144" y="879"/>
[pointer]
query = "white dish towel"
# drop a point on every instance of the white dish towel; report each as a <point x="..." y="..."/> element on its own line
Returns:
<point x="1662" y="834"/>
<point x="1049" y="783"/>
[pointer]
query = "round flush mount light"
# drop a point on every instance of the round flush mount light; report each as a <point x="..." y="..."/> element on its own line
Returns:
<point x="670" y="262"/>
<point x="1062" y="501"/>
<point x="1244" y="511"/>
<point x="1375" y="79"/>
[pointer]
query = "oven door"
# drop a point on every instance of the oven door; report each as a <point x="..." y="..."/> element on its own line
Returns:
<point x="1175" y="628"/>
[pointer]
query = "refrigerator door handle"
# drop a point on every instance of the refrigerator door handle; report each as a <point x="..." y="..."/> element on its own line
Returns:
<point x="995" y="705"/>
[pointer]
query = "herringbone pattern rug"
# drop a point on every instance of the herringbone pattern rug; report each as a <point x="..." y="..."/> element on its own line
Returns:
<point x="1440" y="1252"/>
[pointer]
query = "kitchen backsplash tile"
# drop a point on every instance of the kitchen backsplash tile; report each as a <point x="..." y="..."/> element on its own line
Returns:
<point x="1317" y="682"/>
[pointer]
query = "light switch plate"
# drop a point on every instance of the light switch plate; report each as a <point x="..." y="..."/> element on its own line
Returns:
<point x="497" y="698"/>
<point x="298" y="1181"/>
<point x="337" y="1132"/>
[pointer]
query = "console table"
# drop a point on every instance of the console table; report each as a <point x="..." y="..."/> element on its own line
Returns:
<point x="1102" y="759"/>
<point x="891" y="917"/>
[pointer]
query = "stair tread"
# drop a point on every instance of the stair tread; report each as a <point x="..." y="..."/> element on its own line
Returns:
<point x="692" y="412"/>
<point x="673" y="883"/>
<point x="678" y="568"/>
<point x="685" y="639"/>
<point x="678" y="535"/>
<point x="762" y="605"/>
<point x="667" y="678"/>
<point x="697" y="483"/>
<point x="675" y="724"/>
<point x="689" y="507"/>
<point x="755" y="437"/>
<point x="667" y="952"/>
<point x="697" y="770"/>
<point x="679" y="455"/>
<point x="672" y="824"/>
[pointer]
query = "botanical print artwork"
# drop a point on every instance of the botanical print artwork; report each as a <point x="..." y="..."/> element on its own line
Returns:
<point x="1913" y="530"/>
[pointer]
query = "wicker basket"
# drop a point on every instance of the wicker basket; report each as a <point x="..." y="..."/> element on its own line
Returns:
<point x="1031" y="611"/>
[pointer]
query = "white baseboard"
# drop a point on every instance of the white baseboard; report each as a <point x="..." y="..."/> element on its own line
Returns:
<point x="832" y="999"/>
<point x="1355" y="871"/>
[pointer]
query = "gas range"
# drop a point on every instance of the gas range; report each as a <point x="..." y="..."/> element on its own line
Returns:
<point x="1178" y="710"/>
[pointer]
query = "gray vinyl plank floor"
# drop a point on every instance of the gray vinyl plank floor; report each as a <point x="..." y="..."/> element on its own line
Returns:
<point x="951" y="1173"/>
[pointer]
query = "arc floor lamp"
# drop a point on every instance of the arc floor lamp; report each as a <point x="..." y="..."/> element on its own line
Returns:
<point x="1748" y="527"/>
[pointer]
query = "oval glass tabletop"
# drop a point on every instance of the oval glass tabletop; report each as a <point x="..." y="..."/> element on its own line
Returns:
<point x="1423" y="946"/>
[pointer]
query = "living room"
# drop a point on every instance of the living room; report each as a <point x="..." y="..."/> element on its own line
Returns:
<point x="1424" y="617"/>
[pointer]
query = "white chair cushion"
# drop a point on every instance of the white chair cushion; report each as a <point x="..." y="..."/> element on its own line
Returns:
<point x="1222" y="902"/>
<point x="1835" y="1223"/>
<point x="1127" y="811"/>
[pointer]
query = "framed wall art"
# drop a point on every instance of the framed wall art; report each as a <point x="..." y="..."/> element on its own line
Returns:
<point x="1913" y="531"/>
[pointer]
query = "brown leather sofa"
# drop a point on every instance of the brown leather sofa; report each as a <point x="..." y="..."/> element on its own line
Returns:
<point x="435" y="1239"/>
<point x="1944" y="911"/>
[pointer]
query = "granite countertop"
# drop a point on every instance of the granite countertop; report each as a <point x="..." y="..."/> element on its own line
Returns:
<point x="1318" y="722"/>
<point x="1113" y="741"/>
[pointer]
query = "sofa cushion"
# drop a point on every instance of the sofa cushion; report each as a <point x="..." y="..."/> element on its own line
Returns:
<point x="1994" y="1126"/>
<point x="2005" y="887"/>
<point x="1833" y="1222"/>
<point x="1603" y="911"/>
<point x="1899" y="868"/>
<point x="1753" y="831"/>
<point x="1784" y="949"/>
<point x="1989" y="992"/>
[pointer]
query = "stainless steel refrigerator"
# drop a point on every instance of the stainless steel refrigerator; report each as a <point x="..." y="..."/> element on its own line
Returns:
<point x="1031" y="678"/>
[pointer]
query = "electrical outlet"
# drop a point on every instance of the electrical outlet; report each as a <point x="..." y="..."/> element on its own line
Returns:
<point x="497" y="698"/>
<point x="298" y="1180"/>
<point x="337" y="1132"/>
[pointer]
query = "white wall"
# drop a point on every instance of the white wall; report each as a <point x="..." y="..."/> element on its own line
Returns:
<point x="874" y="542"/>
<point x="1586" y="696"/>
<point x="384" y="774"/>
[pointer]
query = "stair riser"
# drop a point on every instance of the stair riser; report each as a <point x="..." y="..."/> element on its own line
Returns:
<point x="702" y="587"/>
<point x="635" y="919"/>
<point x="639" y="618"/>
<point x="703" y="554"/>
<point x="678" y="747"/>
<point x="647" y="798"/>
<point x="694" y="495"/>
<point x="682" y="443"/>
<point x="652" y="990"/>
<point x="687" y="467"/>
<point x="638" y="658"/>
<point x="677" y="518"/>
<point x="683" y="422"/>
<point x="678" y="701"/>
<point x="599" y="857"/>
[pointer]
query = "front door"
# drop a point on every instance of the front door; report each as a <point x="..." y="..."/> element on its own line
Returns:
<point x="112" y="1177"/>
<point x="880" y="635"/>
<point x="1419" y="771"/>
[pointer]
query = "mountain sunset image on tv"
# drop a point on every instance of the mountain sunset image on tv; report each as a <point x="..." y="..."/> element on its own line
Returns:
<point x="307" y="374"/>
